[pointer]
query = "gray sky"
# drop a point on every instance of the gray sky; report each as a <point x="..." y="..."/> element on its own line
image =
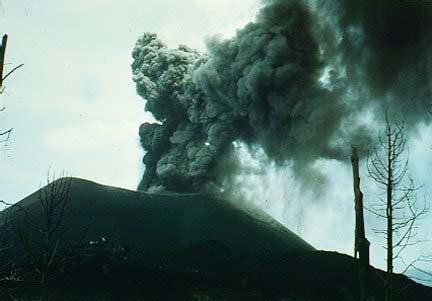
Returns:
<point x="73" y="106"/>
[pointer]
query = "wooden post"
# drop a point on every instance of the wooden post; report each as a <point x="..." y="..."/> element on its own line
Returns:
<point x="2" y="57"/>
<point x="361" y="244"/>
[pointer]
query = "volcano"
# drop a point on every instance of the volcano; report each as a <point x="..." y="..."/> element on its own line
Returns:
<point x="155" y="224"/>
<point x="128" y="245"/>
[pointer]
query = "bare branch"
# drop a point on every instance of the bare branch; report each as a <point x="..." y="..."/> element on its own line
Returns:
<point x="12" y="71"/>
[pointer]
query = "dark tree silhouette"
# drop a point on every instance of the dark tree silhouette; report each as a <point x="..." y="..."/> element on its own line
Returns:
<point x="4" y="137"/>
<point x="4" y="134"/>
<point x="39" y="240"/>
<point x="361" y="243"/>
<point x="388" y="167"/>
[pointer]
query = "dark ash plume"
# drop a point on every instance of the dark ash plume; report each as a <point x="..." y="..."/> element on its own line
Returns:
<point x="385" y="48"/>
<point x="261" y="87"/>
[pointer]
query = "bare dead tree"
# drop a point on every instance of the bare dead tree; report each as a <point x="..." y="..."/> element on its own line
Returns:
<point x="39" y="230"/>
<point x="53" y="200"/>
<point x="361" y="243"/>
<point x="2" y="63"/>
<point x="40" y="239"/>
<point x="5" y="135"/>
<point x="8" y="270"/>
<point x="388" y="167"/>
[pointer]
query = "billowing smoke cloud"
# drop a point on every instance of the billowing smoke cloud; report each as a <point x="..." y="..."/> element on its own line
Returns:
<point x="385" y="48"/>
<point x="296" y="83"/>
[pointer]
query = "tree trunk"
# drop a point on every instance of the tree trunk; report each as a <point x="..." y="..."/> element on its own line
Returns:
<point x="2" y="56"/>
<point x="2" y="63"/>
<point x="361" y="244"/>
<point x="389" y="215"/>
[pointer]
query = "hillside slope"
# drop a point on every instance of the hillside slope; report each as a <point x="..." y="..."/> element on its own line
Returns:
<point x="154" y="224"/>
<point x="181" y="247"/>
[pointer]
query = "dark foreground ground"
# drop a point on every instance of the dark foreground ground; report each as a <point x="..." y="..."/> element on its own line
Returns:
<point x="203" y="275"/>
<point x="116" y="244"/>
